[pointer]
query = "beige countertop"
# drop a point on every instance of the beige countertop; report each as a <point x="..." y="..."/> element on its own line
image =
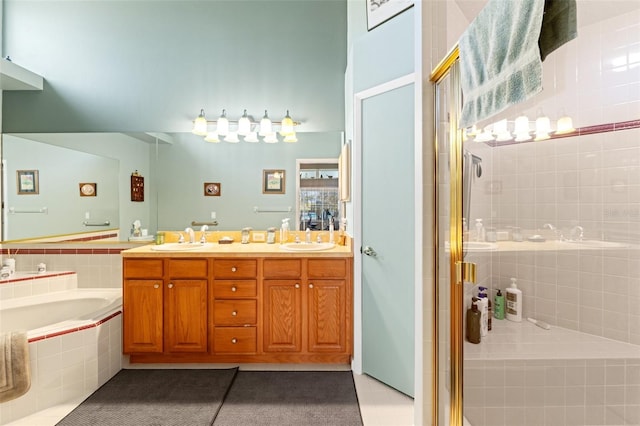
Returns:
<point x="236" y="249"/>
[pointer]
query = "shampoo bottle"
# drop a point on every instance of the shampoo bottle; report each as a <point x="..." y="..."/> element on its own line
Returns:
<point x="498" y="306"/>
<point x="514" y="302"/>
<point x="473" y="324"/>
<point x="483" y="294"/>
<point x="483" y="307"/>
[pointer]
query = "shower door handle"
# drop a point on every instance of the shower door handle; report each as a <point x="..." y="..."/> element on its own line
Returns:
<point x="465" y="271"/>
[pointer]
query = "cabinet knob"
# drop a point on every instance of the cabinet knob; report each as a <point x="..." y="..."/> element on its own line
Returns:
<point x="234" y="313"/>
<point x="234" y="269"/>
<point x="297" y="285"/>
<point x="156" y="286"/>
<point x="234" y="289"/>
<point x="310" y="285"/>
<point x="170" y="285"/>
<point x="234" y="340"/>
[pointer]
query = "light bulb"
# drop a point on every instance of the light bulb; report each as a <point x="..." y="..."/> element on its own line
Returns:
<point x="200" y="125"/>
<point x="212" y="137"/>
<point x="286" y="126"/>
<point x="244" y="124"/>
<point x="291" y="137"/>
<point x="543" y="127"/>
<point x="265" y="125"/>
<point x="271" y="138"/>
<point x="251" y="137"/>
<point x="232" y="137"/>
<point x="565" y="125"/>
<point x="223" y="124"/>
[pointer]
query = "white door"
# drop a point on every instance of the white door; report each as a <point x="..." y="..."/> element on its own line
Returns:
<point x="387" y="146"/>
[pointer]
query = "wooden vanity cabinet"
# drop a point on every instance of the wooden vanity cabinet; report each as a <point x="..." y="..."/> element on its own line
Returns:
<point x="235" y="306"/>
<point x="165" y="305"/>
<point x="306" y="306"/>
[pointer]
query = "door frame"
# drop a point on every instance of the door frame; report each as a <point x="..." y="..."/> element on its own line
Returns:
<point x="358" y="99"/>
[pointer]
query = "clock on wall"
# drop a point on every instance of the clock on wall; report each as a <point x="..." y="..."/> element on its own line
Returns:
<point x="212" y="189"/>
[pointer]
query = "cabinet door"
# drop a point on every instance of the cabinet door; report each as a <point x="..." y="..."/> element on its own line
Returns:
<point x="186" y="316"/>
<point x="327" y="315"/>
<point x="142" y="316"/>
<point x="282" y="316"/>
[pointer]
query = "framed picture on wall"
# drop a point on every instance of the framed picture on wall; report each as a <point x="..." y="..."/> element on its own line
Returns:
<point x="27" y="182"/>
<point x="273" y="182"/>
<point x="379" y="11"/>
<point x="88" y="189"/>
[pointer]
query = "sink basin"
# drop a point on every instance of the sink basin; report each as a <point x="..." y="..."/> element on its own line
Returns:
<point x="478" y="246"/>
<point x="307" y="247"/>
<point x="178" y="247"/>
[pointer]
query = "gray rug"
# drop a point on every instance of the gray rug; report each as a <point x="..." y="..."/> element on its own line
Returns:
<point x="155" y="397"/>
<point x="323" y="398"/>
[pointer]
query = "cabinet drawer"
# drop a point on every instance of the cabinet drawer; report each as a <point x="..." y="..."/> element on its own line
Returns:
<point x="327" y="268"/>
<point x="230" y="268"/>
<point x="235" y="340"/>
<point x="142" y="268"/>
<point x="228" y="289"/>
<point x="282" y="268"/>
<point x="188" y="268"/>
<point x="235" y="312"/>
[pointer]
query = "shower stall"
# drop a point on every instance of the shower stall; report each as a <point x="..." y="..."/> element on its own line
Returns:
<point x="562" y="217"/>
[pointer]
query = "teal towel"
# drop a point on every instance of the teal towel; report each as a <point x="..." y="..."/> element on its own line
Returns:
<point x="500" y="61"/>
<point x="559" y="25"/>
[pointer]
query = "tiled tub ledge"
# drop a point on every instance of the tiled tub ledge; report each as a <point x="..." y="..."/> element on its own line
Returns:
<point x="510" y="340"/>
<point x="521" y="374"/>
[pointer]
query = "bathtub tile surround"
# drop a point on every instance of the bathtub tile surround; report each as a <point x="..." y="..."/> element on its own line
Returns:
<point x="96" y="264"/>
<point x="66" y="364"/>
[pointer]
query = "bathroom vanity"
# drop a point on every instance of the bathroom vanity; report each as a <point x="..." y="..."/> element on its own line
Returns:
<point x="238" y="303"/>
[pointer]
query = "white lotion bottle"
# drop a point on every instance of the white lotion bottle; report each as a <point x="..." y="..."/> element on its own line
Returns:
<point x="513" y="300"/>
<point x="483" y="307"/>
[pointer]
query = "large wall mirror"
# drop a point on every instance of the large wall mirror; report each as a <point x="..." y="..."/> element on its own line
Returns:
<point x="175" y="168"/>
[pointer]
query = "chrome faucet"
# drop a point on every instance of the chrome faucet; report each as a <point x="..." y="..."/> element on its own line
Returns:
<point x="203" y="230"/>
<point x="192" y="235"/>
<point x="553" y="229"/>
<point x="577" y="233"/>
<point x="180" y="238"/>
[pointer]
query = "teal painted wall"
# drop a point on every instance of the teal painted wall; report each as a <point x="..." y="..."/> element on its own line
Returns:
<point x="152" y="65"/>
<point x="184" y="167"/>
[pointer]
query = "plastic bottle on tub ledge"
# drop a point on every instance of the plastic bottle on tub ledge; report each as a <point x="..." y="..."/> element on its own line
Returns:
<point x="473" y="323"/>
<point x="514" y="302"/>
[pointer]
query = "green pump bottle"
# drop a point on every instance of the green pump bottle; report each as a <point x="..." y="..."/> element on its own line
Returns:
<point x="498" y="306"/>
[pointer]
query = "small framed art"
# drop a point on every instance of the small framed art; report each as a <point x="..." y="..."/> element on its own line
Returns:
<point x="27" y="182"/>
<point x="88" y="189"/>
<point x="212" y="189"/>
<point x="273" y="182"/>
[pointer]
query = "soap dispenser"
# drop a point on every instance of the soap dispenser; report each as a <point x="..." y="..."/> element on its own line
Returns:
<point x="514" y="302"/>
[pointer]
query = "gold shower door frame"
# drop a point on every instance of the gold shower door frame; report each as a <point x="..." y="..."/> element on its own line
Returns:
<point x="449" y="68"/>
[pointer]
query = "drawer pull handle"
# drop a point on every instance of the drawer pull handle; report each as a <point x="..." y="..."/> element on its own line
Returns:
<point x="297" y="285"/>
<point x="234" y="340"/>
<point x="170" y="285"/>
<point x="234" y="313"/>
<point x="234" y="269"/>
<point x="234" y="289"/>
<point x="310" y="285"/>
<point x="156" y="286"/>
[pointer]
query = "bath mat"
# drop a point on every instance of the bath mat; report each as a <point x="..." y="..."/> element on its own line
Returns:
<point x="293" y="398"/>
<point x="155" y="397"/>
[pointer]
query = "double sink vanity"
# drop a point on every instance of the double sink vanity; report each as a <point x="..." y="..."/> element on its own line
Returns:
<point x="236" y="303"/>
